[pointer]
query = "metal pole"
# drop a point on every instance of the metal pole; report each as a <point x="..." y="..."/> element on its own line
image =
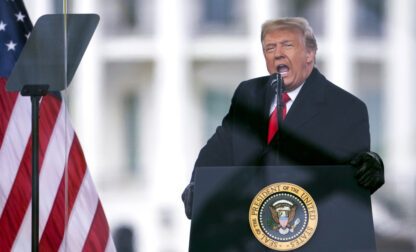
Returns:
<point x="35" y="173"/>
<point x="35" y="92"/>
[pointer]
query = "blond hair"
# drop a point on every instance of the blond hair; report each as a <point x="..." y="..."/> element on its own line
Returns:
<point x="291" y="23"/>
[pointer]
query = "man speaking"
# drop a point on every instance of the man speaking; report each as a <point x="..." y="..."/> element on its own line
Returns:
<point x="307" y="120"/>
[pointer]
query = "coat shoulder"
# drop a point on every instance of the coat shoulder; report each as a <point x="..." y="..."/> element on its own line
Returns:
<point x="258" y="82"/>
<point x="337" y="95"/>
<point x="251" y="88"/>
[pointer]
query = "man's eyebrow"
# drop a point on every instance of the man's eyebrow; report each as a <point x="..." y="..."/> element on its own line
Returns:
<point x="286" y="41"/>
<point x="279" y="42"/>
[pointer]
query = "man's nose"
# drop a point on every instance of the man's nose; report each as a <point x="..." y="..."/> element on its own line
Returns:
<point x="278" y="54"/>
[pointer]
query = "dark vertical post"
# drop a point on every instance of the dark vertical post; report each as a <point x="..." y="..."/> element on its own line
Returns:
<point x="35" y="92"/>
<point x="35" y="173"/>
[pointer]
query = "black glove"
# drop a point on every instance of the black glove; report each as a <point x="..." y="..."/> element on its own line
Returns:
<point x="187" y="198"/>
<point x="370" y="170"/>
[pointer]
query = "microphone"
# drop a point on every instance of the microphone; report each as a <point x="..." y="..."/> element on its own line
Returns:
<point x="277" y="84"/>
<point x="280" y="88"/>
<point x="280" y="85"/>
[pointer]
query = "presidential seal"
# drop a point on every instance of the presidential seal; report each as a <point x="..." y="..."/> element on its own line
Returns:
<point x="283" y="216"/>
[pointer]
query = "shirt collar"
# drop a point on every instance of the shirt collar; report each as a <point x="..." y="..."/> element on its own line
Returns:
<point x="294" y="93"/>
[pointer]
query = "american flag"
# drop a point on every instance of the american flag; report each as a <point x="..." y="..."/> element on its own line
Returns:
<point x="87" y="228"/>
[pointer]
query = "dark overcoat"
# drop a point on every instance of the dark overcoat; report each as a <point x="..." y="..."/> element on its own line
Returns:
<point x="326" y="125"/>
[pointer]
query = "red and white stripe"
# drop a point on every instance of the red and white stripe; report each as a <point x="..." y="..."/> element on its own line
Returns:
<point x="86" y="228"/>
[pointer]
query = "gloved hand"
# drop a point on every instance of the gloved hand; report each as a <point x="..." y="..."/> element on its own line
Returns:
<point x="370" y="170"/>
<point x="187" y="198"/>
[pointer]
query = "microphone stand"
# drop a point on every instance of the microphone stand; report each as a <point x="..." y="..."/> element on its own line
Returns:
<point x="279" y="87"/>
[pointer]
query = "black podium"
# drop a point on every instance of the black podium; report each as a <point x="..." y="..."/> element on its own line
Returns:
<point x="223" y="195"/>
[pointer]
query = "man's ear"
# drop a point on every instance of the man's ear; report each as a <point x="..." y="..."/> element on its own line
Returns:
<point x="310" y="56"/>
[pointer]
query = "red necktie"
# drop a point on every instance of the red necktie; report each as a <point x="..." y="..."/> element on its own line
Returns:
<point x="273" y="118"/>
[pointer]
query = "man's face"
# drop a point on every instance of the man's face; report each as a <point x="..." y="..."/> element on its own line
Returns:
<point x="285" y="52"/>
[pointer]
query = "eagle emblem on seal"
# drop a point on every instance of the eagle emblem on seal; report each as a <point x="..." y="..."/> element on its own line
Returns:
<point x="283" y="212"/>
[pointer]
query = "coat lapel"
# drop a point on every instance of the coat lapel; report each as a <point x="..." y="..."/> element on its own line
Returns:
<point x="308" y="102"/>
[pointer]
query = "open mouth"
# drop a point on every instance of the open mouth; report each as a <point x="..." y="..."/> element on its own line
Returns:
<point x="282" y="69"/>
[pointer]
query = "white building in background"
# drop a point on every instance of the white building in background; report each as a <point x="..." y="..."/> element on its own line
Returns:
<point x="158" y="77"/>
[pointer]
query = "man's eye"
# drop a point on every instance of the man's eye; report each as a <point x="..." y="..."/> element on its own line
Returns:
<point x="270" y="49"/>
<point x="288" y="45"/>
